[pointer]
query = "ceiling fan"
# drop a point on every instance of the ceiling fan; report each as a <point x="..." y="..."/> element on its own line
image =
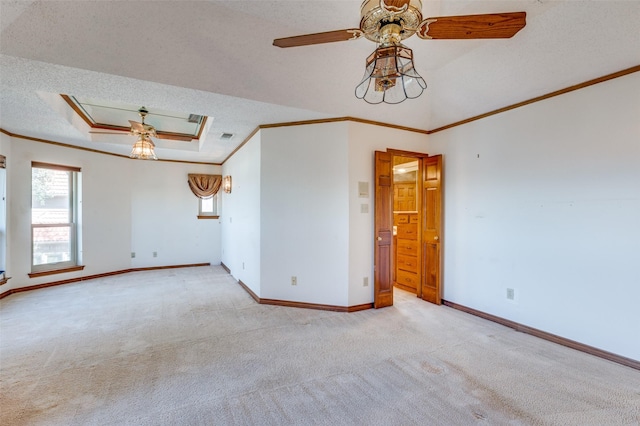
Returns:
<point x="143" y="148"/>
<point x="390" y="75"/>
<point x="137" y="129"/>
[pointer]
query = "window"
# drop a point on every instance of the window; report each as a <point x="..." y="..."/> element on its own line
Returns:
<point x="54" y="217"/>
<point x="208" y="207"/>
<point x="206" y="187"/>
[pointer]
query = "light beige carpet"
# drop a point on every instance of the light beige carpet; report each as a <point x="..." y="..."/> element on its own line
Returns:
<point x="189" y="347"/>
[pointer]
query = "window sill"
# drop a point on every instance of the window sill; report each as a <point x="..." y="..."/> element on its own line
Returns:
<point x="208" y="217"/>
<point x="56" y="271"/>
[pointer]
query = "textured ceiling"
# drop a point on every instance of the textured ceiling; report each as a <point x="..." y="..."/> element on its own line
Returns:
<point x="215" y="58"/>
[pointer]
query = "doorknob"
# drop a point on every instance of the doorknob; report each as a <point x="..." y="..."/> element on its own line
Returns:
<point x="436" y="238"/>
<point x="379" y="238"/>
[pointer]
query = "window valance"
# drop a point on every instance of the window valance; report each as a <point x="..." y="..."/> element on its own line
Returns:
<point x="204" y="186"/>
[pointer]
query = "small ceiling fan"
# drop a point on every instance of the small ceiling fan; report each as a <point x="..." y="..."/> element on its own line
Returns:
<point x="141" y="128"/>
<point x="390" y="76"/>
<point x="143" y="148"/>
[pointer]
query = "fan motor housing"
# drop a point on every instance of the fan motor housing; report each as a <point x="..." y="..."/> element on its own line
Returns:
<point x="375" y="18"/>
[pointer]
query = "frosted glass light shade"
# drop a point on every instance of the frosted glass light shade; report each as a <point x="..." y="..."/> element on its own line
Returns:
<point x="143" y="149"/>
<point x="226" y="184"/>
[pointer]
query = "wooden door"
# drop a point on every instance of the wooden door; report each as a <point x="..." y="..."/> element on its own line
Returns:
<point x="383" y="252"/>
<point x="432" y="228"/>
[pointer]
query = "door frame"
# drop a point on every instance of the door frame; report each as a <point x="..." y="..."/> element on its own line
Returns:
<point x="419" y="156"/>
<point x="384" y="215"/>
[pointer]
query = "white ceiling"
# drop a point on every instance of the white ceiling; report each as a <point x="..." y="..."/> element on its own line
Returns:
<point x="215" y="58"/>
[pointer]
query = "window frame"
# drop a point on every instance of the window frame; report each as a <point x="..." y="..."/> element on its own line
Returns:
<point x="73" y="223"/>
<point x="3" y="219"/>
<point x="209" y="215"/>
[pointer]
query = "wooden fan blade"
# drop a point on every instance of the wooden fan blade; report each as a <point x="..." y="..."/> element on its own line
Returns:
<point x="492" y="25"/>
<point x="318" y="38"/>
<point x="174" y="137"/>
<point x="139" y="127"/>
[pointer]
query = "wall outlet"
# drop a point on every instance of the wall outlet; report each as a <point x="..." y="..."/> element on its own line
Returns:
<point x="243" y="266"/>
<point x="364" y="208"/>
<point x="365" y="282"/>
<point x="133" y="254"/>
<point x="294" y="280"/>
<point x="511" y="294"/>
<point x="155" y="254"/>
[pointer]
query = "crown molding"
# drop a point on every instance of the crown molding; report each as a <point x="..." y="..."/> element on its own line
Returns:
<point x="97" y="151"/>
<point x="540" y="98"/>
<point x="569" y="89"/>
<point x="448" y="126"/>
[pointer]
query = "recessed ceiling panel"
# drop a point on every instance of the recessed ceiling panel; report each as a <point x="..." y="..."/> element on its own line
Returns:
<point x="111" y="115"/>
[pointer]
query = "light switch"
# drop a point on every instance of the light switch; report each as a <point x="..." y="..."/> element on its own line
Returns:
<point x="363" y="189"/>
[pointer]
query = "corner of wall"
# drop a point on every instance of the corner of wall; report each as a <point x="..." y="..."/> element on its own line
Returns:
<point x="241" y="215"/>
<point x="364" y="139"/>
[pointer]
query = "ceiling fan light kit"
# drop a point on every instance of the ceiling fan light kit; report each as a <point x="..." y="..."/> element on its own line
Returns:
<point x="390" y="75"/>
<point x="143" y="149"/>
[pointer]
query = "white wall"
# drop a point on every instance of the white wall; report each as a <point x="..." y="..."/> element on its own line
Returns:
<point x="164" y="216"/>
<point x="240" y="215"/>
<point x="304" y="217"/>
<point x="305" y="213"/>
<point x="5" y="149"/>
<point x="545" y="199"/>
<point x="127" y="206"/>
